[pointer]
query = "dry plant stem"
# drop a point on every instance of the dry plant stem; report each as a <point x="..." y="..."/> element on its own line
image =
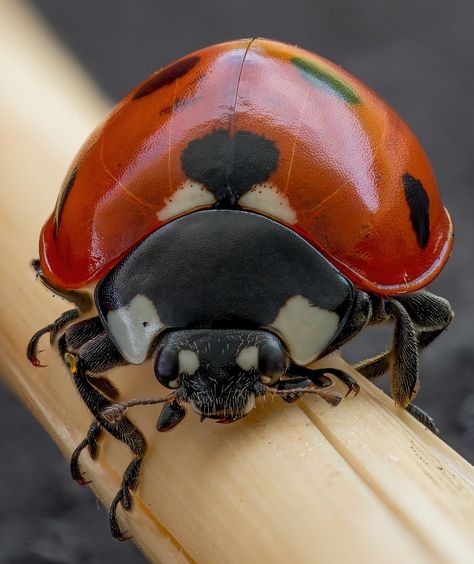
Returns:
<point x="306" y="482"/>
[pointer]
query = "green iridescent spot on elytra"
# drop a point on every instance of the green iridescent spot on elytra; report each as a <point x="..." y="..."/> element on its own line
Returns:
<point x="313" y="72"/>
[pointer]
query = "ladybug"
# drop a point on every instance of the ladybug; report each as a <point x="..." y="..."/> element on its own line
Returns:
<point x="245" y="211"/>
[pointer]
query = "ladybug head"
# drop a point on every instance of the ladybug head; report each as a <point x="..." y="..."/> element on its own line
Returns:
<point x="220" y="372"/>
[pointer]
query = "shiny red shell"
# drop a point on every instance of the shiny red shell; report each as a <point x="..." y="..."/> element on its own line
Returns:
<point x="351" y="177"/>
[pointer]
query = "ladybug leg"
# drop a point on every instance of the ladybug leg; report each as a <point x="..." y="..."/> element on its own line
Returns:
<point x="53" y="328"/>
<point x="404" y="355"/>
<point x="123" y="430"/>
<point x="83" y="331"/>
<point x="375" y="366"/>
<point x="97" y="354"/>
<point x="94" y="356"/>
<point x="319" y="378"/>
<point x="419" y="319"/>
<point x="431" y="315"/>
<point x="74" y="337"/>
<point x="91" y="443"/>
<point x="292" y="389"/>
<point x="402" y="358"/>
<point x="288" y="386"/>
<point x="423" y="417"/>
<point x="78" y="335"/>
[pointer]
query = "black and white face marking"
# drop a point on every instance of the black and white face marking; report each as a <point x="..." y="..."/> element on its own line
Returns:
<point x="188" y="362"/>
<point x="247" y="358"/>
<point x="220" y="372"/>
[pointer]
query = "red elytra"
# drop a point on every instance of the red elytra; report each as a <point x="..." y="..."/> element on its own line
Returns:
<point x="351" y="175"/>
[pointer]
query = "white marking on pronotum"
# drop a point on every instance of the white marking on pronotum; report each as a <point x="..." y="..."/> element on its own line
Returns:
<point x="247" y="358"/>
<point x="267" y="199"/>
<point x="133" y="328"/>
<point x="188" y="362"/>
<point x="306" y="328"/>
<point x="189" y="196"/>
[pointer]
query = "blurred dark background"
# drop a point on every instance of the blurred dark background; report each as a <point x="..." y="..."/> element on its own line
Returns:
<point x="417" y="55"/>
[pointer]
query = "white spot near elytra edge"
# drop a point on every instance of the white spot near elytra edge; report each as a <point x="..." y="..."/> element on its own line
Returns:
<point x="268" y="200"/>
<point x="191" y="195"/>
<point x="247" y="358"/>
<point x="306" y="328"/>
<point x="188" y="361"/>
<point x="133" y="328"/>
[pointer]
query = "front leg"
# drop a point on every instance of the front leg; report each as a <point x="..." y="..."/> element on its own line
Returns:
<point x="87" y="351"/>
<point x="318" y="375"/>
<point x="53" y="328"/>
<point x="292" y="389"/>
<point x="97" y="355"/>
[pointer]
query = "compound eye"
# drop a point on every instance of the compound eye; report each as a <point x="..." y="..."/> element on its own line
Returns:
<point x="167" y="367"/>
<point x="272" y="364"/>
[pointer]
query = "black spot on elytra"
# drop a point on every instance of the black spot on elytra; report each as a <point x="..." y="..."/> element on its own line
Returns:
<point x="227" y="166"/>
<point x="167" y="75"/>
<point x="419" y="204"/>
<point x="66" y="188"/>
